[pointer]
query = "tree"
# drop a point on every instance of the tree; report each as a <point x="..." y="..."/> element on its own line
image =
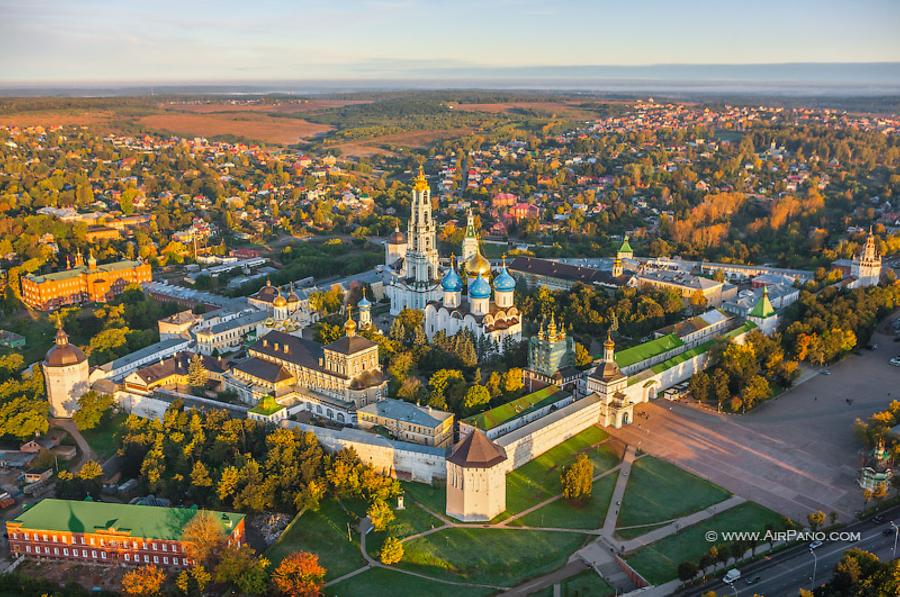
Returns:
<point x="493" y="384"/>
<point x="881" y="492"/>
<point x="299" y="575"/>
<point x="240" y="566"/>
<point x="391" y="552"/>
<point x="380" y="514"/>
<point x="197" y="373"/>
<point x="577" y="479"/>
<point x="687" y="571"/>
<point x="92" y="406"/>
<point x="816" y="519"/>
<point x="583" y="357"/>
<point x="513" y="380"/>
<point x="203" y="538"/>
<point x="476" y="395"/>
<point x="90" y="471"/>
<point x="146" y="580"/>
<point x="193" y="580"/>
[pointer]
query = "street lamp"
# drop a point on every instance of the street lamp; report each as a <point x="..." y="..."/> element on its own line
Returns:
<point x="896" y="530"/>
<point x="815" y="564"/>
<point x="733" y="588"/>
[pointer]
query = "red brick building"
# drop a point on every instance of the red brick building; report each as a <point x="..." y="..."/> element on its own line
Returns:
<point x="107" y="533"/>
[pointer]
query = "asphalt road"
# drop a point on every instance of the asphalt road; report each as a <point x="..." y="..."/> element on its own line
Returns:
<point x="786" y="573"/>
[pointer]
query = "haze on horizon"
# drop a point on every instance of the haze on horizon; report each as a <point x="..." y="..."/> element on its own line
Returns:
<point x="108" y="41"/>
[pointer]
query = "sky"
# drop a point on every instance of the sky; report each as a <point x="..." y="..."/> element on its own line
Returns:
<point x="196" y="41"/>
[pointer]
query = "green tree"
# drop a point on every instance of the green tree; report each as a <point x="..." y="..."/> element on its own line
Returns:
<point x="197" y="373"/>
<point x="577" y="479"/>
<point x="240" y="566"/>
<point x="513" y="380"/>
<point x="380" y="515"/>
<point x="92" y="407"/>
<point x="476" y="395"/>
<point x="391" y="551"/>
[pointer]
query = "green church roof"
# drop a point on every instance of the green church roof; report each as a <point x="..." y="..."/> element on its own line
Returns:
<point x="626" y="247"/>
<point x="146" y="522"/>
<point x="763" y="307"/>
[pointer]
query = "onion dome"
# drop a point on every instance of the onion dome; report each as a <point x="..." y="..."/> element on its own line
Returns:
<point x="479" y="289"/>
<point x="420" y="184"/>
<point x="293" y="297"/>
<point x="451" y="281"/>
<point x="63" y="354"/>
<point x="504" y="282"/>
<point x="477" y="265"/>
<point x="363" y="302"/>
<point x="279" y="301"/>
<point x="397" y="238"/>
<point x="349" y="325"/>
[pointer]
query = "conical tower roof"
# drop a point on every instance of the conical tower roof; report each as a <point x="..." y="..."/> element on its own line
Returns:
<point x="477" y="451"/>
<point x="763" y="307"/>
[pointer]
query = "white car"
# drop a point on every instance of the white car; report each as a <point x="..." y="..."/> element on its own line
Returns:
<point x="895" y="361"/>
<point x="731" y="576"/>
<point x="815" y="544"/>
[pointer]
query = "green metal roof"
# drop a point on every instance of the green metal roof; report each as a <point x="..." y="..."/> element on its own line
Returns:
<point x="636" y="354"/>
<point x="763" y="307"/>
<point x="626" y="247"/>
<point x="76" y="272"/>
<point x="495" y="417"/>
<point x="148" y="522"/>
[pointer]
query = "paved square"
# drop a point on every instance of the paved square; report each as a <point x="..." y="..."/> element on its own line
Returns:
<point x="795" y="454"/>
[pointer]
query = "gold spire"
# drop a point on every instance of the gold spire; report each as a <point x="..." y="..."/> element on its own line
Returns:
<point x="609" y="344"/>
<point x="349" y="325"/>
<point x="61" y="337"/>
<point x="551" y="329"/>
<point x="421" y="184"/>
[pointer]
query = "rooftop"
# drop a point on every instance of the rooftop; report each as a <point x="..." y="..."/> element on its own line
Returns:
<point x="477" y="451"/>
<point x="499" y="415"/>
<point x="148" y="522"/>
<point x="647" y="350"/>
<point x="400" y="410"/>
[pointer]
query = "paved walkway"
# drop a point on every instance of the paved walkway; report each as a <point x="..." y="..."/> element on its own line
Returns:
<point x="677" y="525"/>
<point x="612" y="514"/>
<point x="87" y="453"/>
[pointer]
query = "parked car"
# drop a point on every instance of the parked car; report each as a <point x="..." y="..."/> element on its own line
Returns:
<point x="826" y="372"/>
<point x="878" y="519"/>
<point x="888" y="531"/>
<point x="895" y="361"/>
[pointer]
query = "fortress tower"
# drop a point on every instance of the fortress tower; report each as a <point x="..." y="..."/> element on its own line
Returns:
<point x="66" y="373"/>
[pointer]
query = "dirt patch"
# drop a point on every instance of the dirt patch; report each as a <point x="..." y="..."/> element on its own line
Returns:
<point x="257" y="127"/>
<point x="48" y="118"/>
<point x="107" y="578"/>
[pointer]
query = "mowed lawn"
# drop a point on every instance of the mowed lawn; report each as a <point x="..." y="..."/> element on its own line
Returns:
<point x="104" y="439"/>
<point x="658" y="491"/>
<point x="409" y="521"/>
<point x="586" y="584"/>
<point x="565" y="515"/>
<point x="323" y="533"/>
<point x="433" y="497"/>
<point x="658" y="562"/>
<point x="503" y="557"/>
<point x="539" y="479"/>
<point x="379" y="582"/>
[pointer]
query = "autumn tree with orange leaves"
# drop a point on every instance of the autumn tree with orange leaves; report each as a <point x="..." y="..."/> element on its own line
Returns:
<point x="299" y="574"/>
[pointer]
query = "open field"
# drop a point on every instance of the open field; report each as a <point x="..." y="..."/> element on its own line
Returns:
<point x="658" y="562"/>
<point x="539" y="479"/>
<point x="50" y="118"/>
<point x="411" y="520"/>
<point x="324" y="533"/>
<point x="257" y="127"/>
<point x="658" y="491"/>
<point x="565" y="515"/>
<point x="585" y="584"/>
<point x="491" y="556"/>
<point x="379" y="581"/>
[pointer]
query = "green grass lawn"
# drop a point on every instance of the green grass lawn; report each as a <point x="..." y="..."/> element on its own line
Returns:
<point x="411" y="520"/>
<point x="38" y="331"/>
<point x="659" y="491"/>
<point x="324" y="533"/>
<point x="586" y="584"/>
<point x="433" y="497"/>
<point x="104" y="439"/>
<point x="658" y="562"/>
<point x="539" y="479"/>
<point x="496" y="556"/>
<point x="378" y="582"/>
<point x="562" y="514"/>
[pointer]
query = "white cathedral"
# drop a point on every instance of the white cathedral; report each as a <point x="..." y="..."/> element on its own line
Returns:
<point x="484" y="305"/>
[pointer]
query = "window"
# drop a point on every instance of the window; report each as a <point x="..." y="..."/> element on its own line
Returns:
<point x="146" y="559"/>
<point x="92" y="540"/>
<point x="84" y="553"/>
<point x="65" y="551"/>
<point x="26" y="536"/>
<point x="94" y="553"/>
<point x="45" y="536"/>
<point x="165" y="546"/>
<point x="156" y="559"/>
<point x="28" y="548"/>
<point x="103" y="554"/>
<point x="54" y="539"/>
<point x="166" y="560"/>
<point x="127" y="557"/>
<point x="56" y="551"/>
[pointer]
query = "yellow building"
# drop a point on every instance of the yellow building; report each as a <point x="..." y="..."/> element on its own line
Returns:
<point x="408" y="422"/>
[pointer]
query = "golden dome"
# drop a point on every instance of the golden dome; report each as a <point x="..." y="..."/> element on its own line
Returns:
<point x="477" y="264"/>
<point x="279" y="301"/>
<point x="421" y="184"/>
